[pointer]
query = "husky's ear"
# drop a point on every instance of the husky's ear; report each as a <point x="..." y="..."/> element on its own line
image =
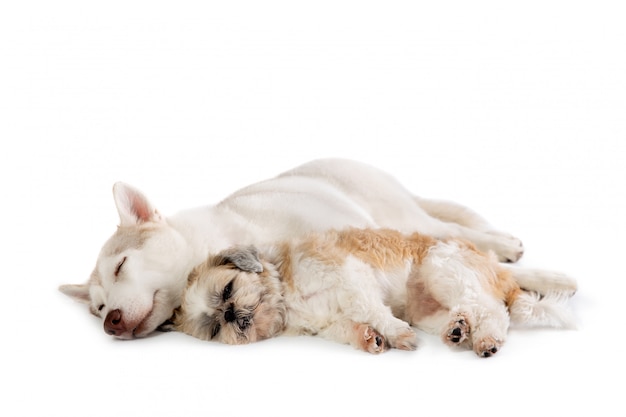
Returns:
<point x="79" y="292"/>
<point x="132" y="206"/>
<point x="245" y="258"/>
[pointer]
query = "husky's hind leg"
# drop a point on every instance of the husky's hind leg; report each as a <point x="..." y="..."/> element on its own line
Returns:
<point x="460" y="221"/>
<point x="543" y="281"/>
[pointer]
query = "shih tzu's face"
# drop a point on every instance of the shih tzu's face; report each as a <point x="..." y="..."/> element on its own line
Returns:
<point x="232" y="298"/>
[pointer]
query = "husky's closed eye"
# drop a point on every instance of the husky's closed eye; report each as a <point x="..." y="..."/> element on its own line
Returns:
<point x="119" y="266"/>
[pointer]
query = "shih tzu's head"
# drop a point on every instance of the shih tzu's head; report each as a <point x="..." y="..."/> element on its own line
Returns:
<point x="233" y="298"/>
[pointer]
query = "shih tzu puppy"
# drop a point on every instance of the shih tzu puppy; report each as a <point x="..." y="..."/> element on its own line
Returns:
<point x="367" y="288"/>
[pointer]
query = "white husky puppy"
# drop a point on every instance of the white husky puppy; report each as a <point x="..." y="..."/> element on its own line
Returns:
<point x="142" y="270"/>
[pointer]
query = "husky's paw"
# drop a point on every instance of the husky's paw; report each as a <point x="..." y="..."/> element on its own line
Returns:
<point x="487" y="346"/>
<point x="508" y="248"/>
<point x="457" y="332"/>
<point x="167" y="326"/>
<point x="555" y="283"/>
<point x="405" y="339"/>
<point x="372" y="342"/>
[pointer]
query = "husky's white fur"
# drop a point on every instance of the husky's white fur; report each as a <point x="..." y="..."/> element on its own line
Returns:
<point x="141" y="271"/>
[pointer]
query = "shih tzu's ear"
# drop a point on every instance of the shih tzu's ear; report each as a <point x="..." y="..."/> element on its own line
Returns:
<point x="245" y="258"/>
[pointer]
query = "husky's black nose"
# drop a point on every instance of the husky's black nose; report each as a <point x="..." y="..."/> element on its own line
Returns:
<point x="114" y="323"/>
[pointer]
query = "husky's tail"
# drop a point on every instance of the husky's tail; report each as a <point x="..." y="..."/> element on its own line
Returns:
<point x="536" y="310"/>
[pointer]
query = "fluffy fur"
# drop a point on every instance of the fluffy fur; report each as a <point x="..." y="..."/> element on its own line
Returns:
<point x="141" y="271"/>
<point x="362" y="287"/>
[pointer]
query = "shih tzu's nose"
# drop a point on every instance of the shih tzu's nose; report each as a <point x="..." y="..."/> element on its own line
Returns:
<point x="229" y="315"/>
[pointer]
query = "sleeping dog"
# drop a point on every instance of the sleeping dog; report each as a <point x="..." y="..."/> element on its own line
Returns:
<point x="367" y="288"/>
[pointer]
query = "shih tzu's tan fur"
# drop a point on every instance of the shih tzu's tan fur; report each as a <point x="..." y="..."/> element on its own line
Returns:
<point x="366" y="288"/>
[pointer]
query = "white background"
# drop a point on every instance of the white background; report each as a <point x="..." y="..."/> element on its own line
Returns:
<point x="516" y="109"/>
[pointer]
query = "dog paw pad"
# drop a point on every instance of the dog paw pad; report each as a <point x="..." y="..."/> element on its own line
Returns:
<point x="458" y="331"/>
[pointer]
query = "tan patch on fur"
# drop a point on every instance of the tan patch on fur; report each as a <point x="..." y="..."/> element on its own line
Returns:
<point x="322" y="247"/>
<point x="420" y="302"/>
<point x="387" y="249"/>
<point x="493" y="278"/>
<point x="508" y="286"/>
<point x="383" y="248"/>
<point x="285" y="267"/>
